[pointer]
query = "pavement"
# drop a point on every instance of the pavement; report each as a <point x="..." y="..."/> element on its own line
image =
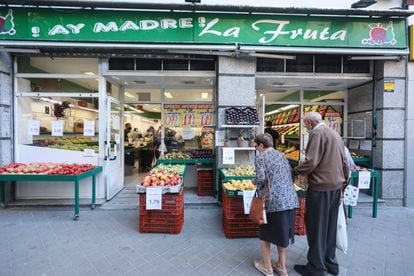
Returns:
<point x="47" y="241"/>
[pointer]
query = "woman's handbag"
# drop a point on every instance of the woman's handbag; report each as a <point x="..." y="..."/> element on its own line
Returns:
<point x="257" y="212"/>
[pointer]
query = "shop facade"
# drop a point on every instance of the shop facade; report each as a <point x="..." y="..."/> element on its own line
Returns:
<point x="185" y="71"/>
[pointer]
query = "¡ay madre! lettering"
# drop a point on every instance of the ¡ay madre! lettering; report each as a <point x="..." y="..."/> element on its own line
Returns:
<point x="277" y="28"/>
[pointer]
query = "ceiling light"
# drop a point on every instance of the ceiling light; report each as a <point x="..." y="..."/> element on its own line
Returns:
<point x="291" y="106"/>
<point x="140" y="82"/>
<point x="189" y="82"/>
<point x="154" y="109"/>
<point x="116" y="78"/>
<point x="126" y="83"/>
<point x="50" y="100"/>
<point x="134" y="109"/>
<point x="168" y="95"/>
<point x="204" y="95"/>
<point x="128" y="116"/>
<point x="129" y="95"/>
<point x="88" y="73"/>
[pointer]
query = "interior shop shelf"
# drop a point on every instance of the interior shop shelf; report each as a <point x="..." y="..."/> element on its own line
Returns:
<point x="186" y="161"/>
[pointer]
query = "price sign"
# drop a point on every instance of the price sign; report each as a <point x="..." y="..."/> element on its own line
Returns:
<point x="206" y="118"/>
<point x="57" y="128"/>
<point x="365" y="145"/>
<point x="228" y="156"/>
<point x="88" y="128"/>
<point x="220" y="137"/>
<point x="172" y="118"/>
<point x="354" y="144"/>
<point x="34" y="127"/>
<point x="247" y="200"/>
<point x="117" y="138"/>
<point x="364" y="179"/>
<point x="189" y="118"/>
<point x="116" y="122"/>
<point x="88" y="153"/>
<point x="188" y="133"/>
<point x="154" y="198"/>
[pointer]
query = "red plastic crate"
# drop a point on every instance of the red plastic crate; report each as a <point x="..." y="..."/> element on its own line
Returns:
<point x="156" y="224"/>
<point x="300" y="227"/>
<point x="205" y="182"/>
<point x="233" y="206"/>
<point x="241" y="227"/>
<point x="170" y="202"/>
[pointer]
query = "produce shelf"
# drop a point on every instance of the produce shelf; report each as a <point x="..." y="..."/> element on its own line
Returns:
<point x="225" y="177"/>
<point x="76" y="178"/>
<point x="239" y="126"/>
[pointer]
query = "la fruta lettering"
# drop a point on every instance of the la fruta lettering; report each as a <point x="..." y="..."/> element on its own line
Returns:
<point x="168" y="27"/>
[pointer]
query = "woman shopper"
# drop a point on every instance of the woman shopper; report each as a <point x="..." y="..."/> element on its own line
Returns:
<point x="281" y="202"/>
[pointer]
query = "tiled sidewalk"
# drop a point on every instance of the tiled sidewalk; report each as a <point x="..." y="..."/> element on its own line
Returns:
<point x="104" y="242"/>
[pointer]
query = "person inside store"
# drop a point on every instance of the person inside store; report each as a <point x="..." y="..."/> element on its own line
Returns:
<point x="327" y="169"/>
<point x="281" y="204"/>
<point x="275" y="135"/>
<point x="127" y="130"/>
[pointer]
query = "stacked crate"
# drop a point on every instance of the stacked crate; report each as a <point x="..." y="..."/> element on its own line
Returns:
<point x="205" y="181"/>
<point x="300" y="227"/>
<point x="235" y="223"/>
<point x="170" y="219"/>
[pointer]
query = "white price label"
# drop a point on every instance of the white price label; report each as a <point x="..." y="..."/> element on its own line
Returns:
<point x="364" y="179"/>
<point x="220" y="137"/>
<point x="247" y="200"/>
<point x="354" y="144"/>
<point x="365" y="145"/>
<point x="154" y="198"/>
<point x="88" y="128"/>
<point x="188" y="133"/>
<point x="88" y="153"/>
<point x="116" y="122"/>
<point x="34" y="127"/>
<point x="57" y="128"/>
<point x="228" y="156"/>
<point x="118" y="138"/>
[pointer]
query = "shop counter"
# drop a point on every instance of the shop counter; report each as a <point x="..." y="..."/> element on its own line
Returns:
<point x="375" y="182"/>
<point x="64" y="178"/>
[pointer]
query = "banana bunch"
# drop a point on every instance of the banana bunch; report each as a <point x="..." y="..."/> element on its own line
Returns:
<point x="241" y="185"/>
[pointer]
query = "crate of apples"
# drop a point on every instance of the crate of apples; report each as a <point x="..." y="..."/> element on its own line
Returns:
<point x="171" y="182"/>
<point x="48" y="168"/>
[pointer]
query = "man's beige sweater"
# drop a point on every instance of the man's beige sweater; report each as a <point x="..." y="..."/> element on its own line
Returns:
<point x="325" y="163"/>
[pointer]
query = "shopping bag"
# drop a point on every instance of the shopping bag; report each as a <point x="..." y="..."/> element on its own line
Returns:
<point x="341" y="233"/>
<point x="257" y="211"/>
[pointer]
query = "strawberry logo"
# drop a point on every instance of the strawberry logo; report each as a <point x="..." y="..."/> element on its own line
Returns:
<point x="380" y="35"/>
<point x="7" y="24"/>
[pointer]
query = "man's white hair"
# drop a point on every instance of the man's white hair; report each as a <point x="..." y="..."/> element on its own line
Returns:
<point x="313" y="116"/>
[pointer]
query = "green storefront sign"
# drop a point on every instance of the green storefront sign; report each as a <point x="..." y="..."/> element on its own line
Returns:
<point x="199" y="28"/>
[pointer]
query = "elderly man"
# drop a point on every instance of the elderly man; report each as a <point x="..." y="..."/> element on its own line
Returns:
<point x="327" y="169"/>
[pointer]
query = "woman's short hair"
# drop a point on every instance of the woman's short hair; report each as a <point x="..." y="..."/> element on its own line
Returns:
<point x="265" y="139"/>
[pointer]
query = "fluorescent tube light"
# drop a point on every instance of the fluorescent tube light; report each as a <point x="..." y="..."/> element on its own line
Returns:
<point x="282" y="109"/>
<point x="88" y="73"/>
<point x="204" y="95"/>
<point x="168" y="95"/>
<point x="392" y="58"/>
<point x="128" y="116"/>
<point x="134" y="109"/>
<point x="50" y="100"/>
<point x="129" y="95"/>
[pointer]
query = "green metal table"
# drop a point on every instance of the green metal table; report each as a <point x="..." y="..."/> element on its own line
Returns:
<point x="375" y="181"/>
<point x="65" y="178"/>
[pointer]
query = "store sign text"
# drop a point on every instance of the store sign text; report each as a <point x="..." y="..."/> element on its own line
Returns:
<point x="175" y="27"/>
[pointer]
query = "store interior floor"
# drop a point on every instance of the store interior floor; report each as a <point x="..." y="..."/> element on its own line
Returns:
<point x="127" y="198"/>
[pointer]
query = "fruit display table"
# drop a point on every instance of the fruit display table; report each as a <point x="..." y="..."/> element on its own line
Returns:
<point x="375" y="182"/>
<point x="65" y="178"/>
